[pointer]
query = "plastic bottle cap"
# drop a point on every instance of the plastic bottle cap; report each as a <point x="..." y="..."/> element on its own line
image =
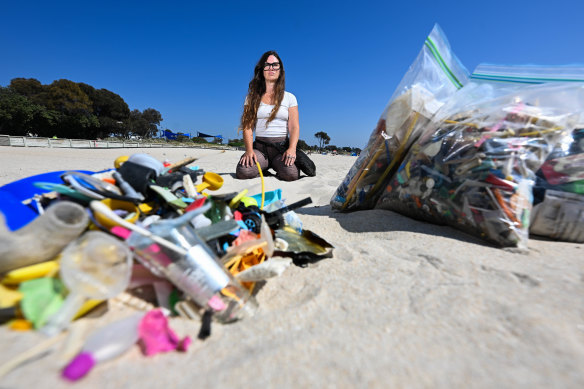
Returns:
<point x="79" y="366"/>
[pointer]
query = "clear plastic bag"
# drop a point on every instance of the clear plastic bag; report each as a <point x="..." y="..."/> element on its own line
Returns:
<point x="475" y="166"/>
<point x="431" y="79"/>
<point x="558" y="205"/>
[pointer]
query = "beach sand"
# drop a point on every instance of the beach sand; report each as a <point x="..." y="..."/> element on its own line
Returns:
<point x="402" y="304"/>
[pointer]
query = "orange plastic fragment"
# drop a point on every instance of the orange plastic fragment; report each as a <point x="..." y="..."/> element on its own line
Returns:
<point x="20" y="325"/>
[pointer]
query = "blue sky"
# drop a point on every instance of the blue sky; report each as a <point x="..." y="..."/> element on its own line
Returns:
<point x="192" y="61"/>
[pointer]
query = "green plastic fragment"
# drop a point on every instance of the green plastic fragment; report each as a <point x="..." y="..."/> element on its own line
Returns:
<point x="42" y="298"/>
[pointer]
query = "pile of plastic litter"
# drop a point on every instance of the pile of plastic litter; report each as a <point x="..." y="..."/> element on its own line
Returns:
<point x="71" y="241"/>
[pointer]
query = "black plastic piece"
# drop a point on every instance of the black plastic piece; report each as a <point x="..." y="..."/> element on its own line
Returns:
<point x="138" y="176"/>
<point x="205" y="330"/>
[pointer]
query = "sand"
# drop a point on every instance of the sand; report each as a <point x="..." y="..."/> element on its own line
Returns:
<point x="402" y="304"/>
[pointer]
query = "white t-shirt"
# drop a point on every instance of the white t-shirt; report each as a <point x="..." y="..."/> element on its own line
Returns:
<point x="279" y="126"/>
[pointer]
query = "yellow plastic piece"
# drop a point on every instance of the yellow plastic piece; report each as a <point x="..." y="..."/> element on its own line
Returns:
<point x="86" y="307"/>
<point x="120" y="160"/>
<point x="117" y="204"/>
<point x="263" y="187"/>
<point x="233" y="203"/>
<point x="249" y="201"/>
<point x="254" y="256"/>
<point x="44" y="269"/>
<point x="9" y="297"/>
<point x="146" y="208"/>
<point x="362" y="175"/>
<point x="211" y="181"/>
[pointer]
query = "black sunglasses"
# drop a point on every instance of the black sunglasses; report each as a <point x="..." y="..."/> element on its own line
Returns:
<point x="274" y="65"/>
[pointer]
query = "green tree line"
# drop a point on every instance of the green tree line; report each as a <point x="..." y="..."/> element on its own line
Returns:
<point x="68" y="109"/>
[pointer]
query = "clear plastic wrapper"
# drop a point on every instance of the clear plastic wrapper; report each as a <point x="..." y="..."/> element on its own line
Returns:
<point x="431" y="79"/>
<point x="475" y="166"/>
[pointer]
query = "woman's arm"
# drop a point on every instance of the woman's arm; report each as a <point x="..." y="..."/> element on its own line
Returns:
<point x="289" y="155"/>
<point x="249" y="157"/>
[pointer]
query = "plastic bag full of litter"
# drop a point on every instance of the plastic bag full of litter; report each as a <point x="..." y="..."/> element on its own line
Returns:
<point x="475" y="167"/>
<point x="431" y="79"/>
<point x="558" y="194"/>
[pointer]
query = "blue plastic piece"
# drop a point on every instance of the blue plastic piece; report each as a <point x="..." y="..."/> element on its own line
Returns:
<point x="270" y="197"/>
<point x="242" y="224"/>
<point x="16" y="214"/>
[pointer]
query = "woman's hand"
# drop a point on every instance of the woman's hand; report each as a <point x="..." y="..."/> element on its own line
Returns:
<point x="248" y="159"/>
<point x="289" y="157"/>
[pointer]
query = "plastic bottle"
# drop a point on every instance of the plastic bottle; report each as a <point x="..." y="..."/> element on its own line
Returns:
<point x="105" y="343"/>
<point x="95" y="266"/>
<point x="198" y="273"/>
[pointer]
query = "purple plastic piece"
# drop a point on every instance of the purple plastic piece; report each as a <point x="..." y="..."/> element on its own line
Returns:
<point x="79" y="366"/>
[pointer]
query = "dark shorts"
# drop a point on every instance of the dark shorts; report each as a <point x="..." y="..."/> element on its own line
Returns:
<point x="269" y="157"/>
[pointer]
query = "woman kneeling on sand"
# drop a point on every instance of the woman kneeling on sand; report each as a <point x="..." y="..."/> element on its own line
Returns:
<point x="272" y="113"/>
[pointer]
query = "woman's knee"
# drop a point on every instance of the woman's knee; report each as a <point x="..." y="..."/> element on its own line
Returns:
<point x="285" y="173"/>
<point x="246" y="172"/>
<point x="289" y="176"/>
<point x="288" y="173"/>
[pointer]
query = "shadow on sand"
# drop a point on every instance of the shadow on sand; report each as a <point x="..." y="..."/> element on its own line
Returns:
<point x="379" y="220"/>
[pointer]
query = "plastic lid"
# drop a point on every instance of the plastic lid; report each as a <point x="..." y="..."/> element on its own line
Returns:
<point x="79" y="366"/>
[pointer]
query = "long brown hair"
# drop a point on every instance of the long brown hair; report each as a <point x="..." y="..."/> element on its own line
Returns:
<point x="257" y="88"/>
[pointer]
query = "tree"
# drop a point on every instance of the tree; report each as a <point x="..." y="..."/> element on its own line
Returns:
<point x="153" y="119"/>
<point x="69" y="109"/>
<point x="323" y="138"/>
<point x="136" y="125"/>
<point x="20" y="116"/>
<point x="75" y="119"/>
<point x="67" y="97"/>
<point x="235" y="142"/>
<point x="32" y="89"/>
<point x="28" y="87"/>
<point x="16" y="113"/>
<point x="110" y="109"/>
<point x="182" y="137"/>
<point x="144" y="124"/>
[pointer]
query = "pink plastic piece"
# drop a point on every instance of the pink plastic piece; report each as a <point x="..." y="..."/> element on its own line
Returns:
<point x="244" y="236"/>
<point x="185" y="344"/>
<point x="156" y="336"/>
<point x="122" y="232"/>
<point x="216" y="304"/>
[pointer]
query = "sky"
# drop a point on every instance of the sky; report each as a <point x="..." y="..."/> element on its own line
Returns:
<point x="192" y="61"/>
